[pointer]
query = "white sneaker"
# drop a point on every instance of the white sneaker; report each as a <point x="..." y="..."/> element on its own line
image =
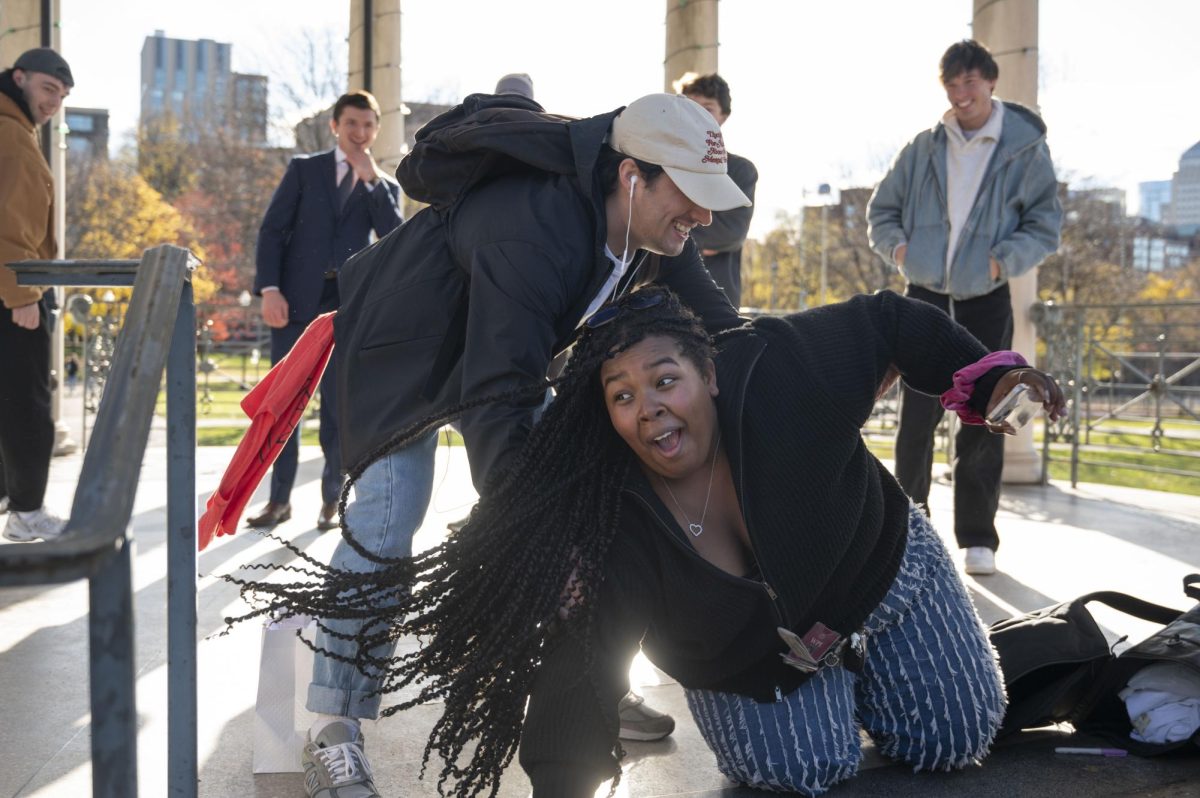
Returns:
<point x="24" y="527"/>
<point x="3" y="505"/>
<point x="979" y="561"/>
<point x="335" y="765"/>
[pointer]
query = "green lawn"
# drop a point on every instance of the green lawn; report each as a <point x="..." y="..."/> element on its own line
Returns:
<point x="232" y="436"/>
<point x="1107" y="475"/>
<point x="224" y="404"/>
<point x="1109" y="472"/>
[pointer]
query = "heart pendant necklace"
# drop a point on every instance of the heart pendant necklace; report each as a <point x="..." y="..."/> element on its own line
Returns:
<point x="697" y="529"/>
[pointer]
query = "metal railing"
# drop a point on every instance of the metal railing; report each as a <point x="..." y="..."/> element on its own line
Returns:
<point x="159" y="331"/>
<point x="1132" y="372"/>
<point x="219" y="364"/>
<point x="1132" y="375"/>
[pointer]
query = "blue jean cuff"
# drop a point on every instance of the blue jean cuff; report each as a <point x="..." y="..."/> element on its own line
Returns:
<point x="345" y="703"/>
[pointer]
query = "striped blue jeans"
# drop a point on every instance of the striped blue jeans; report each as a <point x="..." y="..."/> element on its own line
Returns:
<point x="930" y="693"/>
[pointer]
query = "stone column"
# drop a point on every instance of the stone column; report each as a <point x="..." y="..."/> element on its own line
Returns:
<point x="24" y="19"/>
<point x="691" y="39"/>
<point x="1009" y="28"/>
<point x="378" y="21"/>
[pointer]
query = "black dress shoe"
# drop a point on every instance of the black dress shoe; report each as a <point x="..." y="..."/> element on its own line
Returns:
<point x="272" y="515"/>
<point x="328" y="518"/>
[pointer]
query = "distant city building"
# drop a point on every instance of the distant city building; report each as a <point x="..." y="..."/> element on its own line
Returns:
<point x="1154" y="197"/>
<point x="418" y="116"/>
<point x="87" y="135"/>
<point x="191" y="83"/>
<point x="248" y="110"/>
<point x="852" y="203"/>
<point x="1104" y="202"/>
<point x="1152" y="253"/>
<point x="1184" y="213"/>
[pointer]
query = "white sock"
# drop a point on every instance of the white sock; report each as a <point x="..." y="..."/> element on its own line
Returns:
<point x="324" y="720"/>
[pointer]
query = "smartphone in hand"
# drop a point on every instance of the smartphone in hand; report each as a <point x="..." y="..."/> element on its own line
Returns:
<point x="1017" y="408"/>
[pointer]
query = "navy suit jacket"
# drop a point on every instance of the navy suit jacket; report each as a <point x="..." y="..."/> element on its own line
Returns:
<point x="303" y="236"/>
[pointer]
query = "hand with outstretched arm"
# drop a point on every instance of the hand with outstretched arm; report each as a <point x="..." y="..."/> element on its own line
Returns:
<point x="1042" y="387"/>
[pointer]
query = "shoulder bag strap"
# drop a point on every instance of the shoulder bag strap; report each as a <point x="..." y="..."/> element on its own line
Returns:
<point x="1135" y="606"/>
<point x="1191" y="586"/>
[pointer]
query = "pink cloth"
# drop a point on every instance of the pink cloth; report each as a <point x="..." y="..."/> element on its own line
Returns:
<point x="957" y="398"/>
<point x="275" y="407"/>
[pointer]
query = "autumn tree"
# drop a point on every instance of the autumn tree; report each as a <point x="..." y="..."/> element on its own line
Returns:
<point x="1092" y="265"/>
<point x="783" y="271"/>
<point x="773" y="270"/>
<point x="221" y="186"/>
<point x="226" y="204"/>
<point x="167" y="162"/>
<point x="114" y="214"/>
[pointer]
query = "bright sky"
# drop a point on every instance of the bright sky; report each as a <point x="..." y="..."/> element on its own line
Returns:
<point x="822" y="92"/>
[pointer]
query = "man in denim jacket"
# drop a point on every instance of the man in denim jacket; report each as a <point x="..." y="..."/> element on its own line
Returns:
<point x="965" y="207"/>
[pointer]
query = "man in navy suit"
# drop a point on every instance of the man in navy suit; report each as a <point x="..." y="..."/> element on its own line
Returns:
<point x="323" y="211"/>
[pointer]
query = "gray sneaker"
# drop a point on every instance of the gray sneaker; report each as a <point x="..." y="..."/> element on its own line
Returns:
<point x="335" y="765"/>
<point x="24" y="527"/>
<point x="640" y="722"/>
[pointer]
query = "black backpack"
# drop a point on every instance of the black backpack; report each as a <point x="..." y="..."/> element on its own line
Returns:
<point x="1058" y="666"/>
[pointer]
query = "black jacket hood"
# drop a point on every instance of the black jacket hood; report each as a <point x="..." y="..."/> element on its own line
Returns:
<point x="488" y="136"/>
<point x="9" y="87"/>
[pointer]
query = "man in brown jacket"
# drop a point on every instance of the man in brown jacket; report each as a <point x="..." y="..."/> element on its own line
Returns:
<point x="30" y="94"/>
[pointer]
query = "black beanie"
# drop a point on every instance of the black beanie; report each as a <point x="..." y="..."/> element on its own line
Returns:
<point x="45" y="60"/>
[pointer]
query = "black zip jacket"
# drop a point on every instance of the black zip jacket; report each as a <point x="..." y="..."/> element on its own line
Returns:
<point x="827" y="522"/>
<point x="476" y="294"/>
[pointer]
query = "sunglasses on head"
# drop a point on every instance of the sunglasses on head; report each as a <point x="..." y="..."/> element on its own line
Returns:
<point x="607" y="313"/>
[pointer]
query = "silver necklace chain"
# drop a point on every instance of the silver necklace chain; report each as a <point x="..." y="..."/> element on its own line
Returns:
<point x="697" y="529"/>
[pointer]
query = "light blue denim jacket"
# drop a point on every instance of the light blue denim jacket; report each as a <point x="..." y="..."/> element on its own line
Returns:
<point x="1016" y="219"/>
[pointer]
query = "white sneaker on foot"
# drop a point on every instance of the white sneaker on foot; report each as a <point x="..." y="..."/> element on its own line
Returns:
<point x="335" y="765"/>
<point x="24" y="527"/>
<point x="642" y="722"/>
<point x="979" y="561"/>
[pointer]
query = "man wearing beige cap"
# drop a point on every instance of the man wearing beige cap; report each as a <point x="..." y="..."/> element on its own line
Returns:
<point x="534" y="222"/>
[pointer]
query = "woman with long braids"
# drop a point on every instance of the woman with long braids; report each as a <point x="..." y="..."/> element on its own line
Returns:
<point x="718" y="506"/>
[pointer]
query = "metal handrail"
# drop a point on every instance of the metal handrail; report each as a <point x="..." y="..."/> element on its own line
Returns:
<point x="96" y="543"/>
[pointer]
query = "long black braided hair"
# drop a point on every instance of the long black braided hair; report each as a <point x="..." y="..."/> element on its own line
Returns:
<point x="483" y="602"/>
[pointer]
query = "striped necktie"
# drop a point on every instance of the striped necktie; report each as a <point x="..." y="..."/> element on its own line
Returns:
<point x="345" y="188"/>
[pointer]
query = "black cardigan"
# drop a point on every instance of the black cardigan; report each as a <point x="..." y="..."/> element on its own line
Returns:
<point x="827" y="522"/>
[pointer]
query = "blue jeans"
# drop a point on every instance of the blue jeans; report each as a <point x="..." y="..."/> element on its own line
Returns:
<point x="389" y="503"/>
<point x="930" y="693"/>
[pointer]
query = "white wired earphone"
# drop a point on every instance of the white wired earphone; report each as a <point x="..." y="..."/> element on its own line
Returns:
<point x="633" y="179"/>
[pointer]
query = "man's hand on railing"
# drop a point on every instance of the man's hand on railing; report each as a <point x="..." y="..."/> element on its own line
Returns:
<point x="27" y="316"/>
<point x="274" y="308"/>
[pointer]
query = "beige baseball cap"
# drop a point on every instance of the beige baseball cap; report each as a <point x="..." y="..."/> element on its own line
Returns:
<point x="680" y="136"/>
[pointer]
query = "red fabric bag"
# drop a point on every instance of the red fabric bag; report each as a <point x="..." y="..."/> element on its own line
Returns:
<point x="275" y="406"/>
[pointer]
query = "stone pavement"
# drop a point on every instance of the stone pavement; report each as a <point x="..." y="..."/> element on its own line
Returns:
<point x="1057" y="543"/>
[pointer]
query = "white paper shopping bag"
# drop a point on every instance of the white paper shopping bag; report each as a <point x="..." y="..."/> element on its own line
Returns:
<point x="280" y="720"/>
